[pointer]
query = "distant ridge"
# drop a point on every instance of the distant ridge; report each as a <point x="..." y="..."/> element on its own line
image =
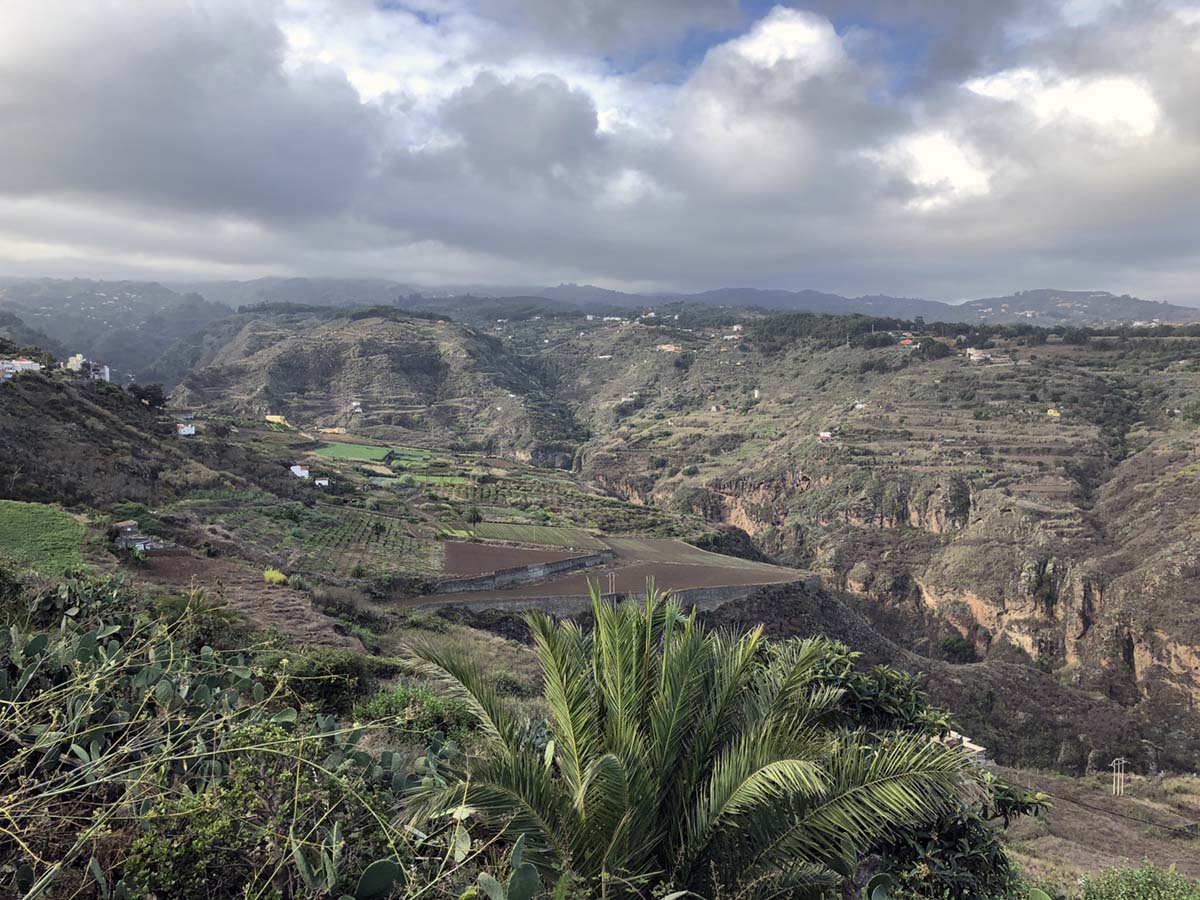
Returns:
<point x="1044" y="306"/>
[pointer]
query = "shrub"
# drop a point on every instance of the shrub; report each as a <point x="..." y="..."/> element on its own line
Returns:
<point x="957" y="649"/>
<point x="417" y="709"/>
<point x="359" y="570"/>
<point x="1146" y="883"/>
<point x="331" y="680"/>
<point x="472" y="515"/>
<point x="691" y="470"/>
<point x="274" y="577"/>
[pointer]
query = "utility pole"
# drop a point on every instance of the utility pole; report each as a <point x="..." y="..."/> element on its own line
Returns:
<point x="1118" y="783"/>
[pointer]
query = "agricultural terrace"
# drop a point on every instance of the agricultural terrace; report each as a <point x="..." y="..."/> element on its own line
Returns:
<point x="42" y="537"/>
<point x="362" y="452"/>
<point x="543" y="535"/>
<point x="673" y="564"/>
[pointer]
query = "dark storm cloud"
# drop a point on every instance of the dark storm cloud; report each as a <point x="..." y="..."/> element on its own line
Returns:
<point x="177" y="104"/>
<point x="525" y="125"/>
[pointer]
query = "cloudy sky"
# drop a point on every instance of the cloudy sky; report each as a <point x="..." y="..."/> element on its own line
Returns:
<point x="938" y="148"/>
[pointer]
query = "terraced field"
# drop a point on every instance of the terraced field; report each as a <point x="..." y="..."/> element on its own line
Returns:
<point x="543" y="535"/>
<point x="365" y="452"/>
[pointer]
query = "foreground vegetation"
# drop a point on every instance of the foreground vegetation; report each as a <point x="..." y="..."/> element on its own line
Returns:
<point x="154" y="747"/>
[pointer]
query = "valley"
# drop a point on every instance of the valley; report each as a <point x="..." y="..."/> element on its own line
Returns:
<point x="1004" y="513"/>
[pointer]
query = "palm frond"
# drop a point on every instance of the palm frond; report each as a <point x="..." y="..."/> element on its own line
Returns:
<point x="463" y="678"/>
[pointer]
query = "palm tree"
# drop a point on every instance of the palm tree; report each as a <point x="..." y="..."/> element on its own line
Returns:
<point x="687" y="757"/>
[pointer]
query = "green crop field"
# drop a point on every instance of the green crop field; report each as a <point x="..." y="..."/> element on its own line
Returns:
<point x="545" y="535"/>
<point x="338" y="450"/>
<point x="39" y="536"/>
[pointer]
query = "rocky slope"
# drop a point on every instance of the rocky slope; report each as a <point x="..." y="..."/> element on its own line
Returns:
<point x="1036" y="509"/>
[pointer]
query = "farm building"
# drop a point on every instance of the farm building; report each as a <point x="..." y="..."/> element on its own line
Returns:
<point x="299" y="471"/>
<point x="669" y="348"/>
<point x="185" y="429"/>
<point x="977" y="356"/>
<point x="321" y="482"/>
<point x="1054" y="413"/>
<point x="276" y="420"/>
<point x="825" y="435"/>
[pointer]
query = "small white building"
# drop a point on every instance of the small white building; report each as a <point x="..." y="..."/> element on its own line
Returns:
<point x="737" y="327"/>
<point x="321" y="482"/>
<point x="11" y="367"/>
<point x="300" y="471"/>
<point x="185" y="429"/>
<point x="825" y="435"/>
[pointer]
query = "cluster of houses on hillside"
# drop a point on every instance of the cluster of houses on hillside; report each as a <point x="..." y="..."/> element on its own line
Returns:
<point x="302" y="472"/>
<point x="86" y="368"/>
<point x="21" y="364"/>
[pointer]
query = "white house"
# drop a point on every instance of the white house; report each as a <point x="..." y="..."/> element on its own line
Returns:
<point x="737" y="327"/>
<point x="185" y="429"/>
<point x="321" y="482"/>
<point x="11" y="367"/>
<point x="300" y="471"/>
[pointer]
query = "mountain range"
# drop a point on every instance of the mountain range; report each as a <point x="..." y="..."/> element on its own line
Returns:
<point x="129" y="324"/>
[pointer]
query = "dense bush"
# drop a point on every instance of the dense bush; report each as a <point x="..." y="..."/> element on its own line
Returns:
<point x="330" y="680"/>
<point x="415" y="709"/>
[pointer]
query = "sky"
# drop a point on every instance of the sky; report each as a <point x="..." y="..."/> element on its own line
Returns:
<point x="937" y="148"/>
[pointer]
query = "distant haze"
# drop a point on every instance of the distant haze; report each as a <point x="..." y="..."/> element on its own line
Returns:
<point x="934" y="149"/>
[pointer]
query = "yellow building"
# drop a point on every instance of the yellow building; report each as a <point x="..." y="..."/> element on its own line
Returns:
<point x="670" y="348"/>
<point x="1054" y="413"/>
<point x="277" y="420"/>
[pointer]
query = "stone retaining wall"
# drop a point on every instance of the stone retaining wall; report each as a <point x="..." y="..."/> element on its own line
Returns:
<point x="503" y="578"/>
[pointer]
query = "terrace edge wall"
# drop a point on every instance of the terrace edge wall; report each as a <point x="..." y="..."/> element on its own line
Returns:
<point x="705" y="598"/>
<point x="503" y="578"/>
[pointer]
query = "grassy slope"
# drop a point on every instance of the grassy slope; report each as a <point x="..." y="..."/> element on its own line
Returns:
<point x="40" y="536"/>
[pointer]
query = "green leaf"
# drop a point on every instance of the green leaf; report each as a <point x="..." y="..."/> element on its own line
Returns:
<point x="461" y="843"/>
<point x="98" y="874"/>
<point x="284" y="716"/>
<point x="879" y="886"/>
<point x="524" y="883"/>
<point x="377" y="880"/>
<point x="1035" y="894"/>
<point x="518" y="852"/>
<point x="163" y="692"/>
<point x="493" y="888"/>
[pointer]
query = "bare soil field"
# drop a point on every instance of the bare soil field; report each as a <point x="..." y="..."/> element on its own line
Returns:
<point x="674" y="565"/>
<point x="464" y="558"/>
<point x="288" y="611"/>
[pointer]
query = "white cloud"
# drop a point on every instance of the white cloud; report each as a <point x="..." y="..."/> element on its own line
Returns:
<point x="942" y="169"/>
<point x="1117" y="108"/>
<point x="792" y="36"/>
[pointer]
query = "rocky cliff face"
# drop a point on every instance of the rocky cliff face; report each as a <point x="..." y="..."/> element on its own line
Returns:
<point x="948" y="497"/>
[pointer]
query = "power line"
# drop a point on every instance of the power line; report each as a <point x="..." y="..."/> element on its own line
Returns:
<point x="1192" y="829"/>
